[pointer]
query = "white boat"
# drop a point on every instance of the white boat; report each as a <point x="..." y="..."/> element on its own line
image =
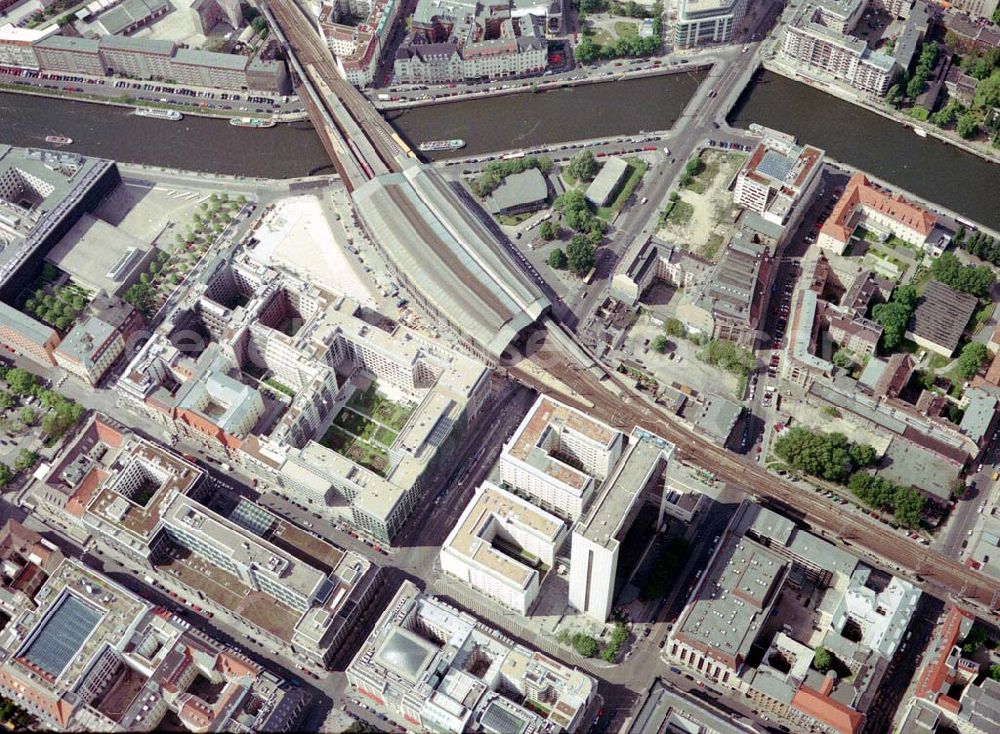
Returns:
<point x="435" y="145"/>
<point x="251" y="122"/>
<point x="58" y="140"/>
<point x="158" y="113"/>
<point x="920" y="131"/>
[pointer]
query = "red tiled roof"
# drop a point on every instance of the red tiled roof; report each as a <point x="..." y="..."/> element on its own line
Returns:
<point x="935" y="673"/>
<point x="841" y="718"/>
<point x="861" y="192"/>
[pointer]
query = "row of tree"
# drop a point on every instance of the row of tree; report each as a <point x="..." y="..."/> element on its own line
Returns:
<point x="578" y="257"/>
<point x="906" y="503"/>
<point x="981" y="245"/>
<point x="59" y="308"/>
<point x="61" y="413"/>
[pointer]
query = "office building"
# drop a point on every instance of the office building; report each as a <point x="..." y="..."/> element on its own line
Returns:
<point x="656" y="261"/>
<point x="816" y="43"/>
<point x="599" y="533"/>
<point x="94" y="656"/>
<point x="558" y="456"/>
<point x="703" y="22"/>
<point x="209" y="13"/>
<point x="17" y="45"/>
<point x="738" y="605"/>
<point x="978" y="8"/>
<point x="145" y="504"/>
<point x="289" y="368"/>
<point x="150" y="58"/>
<point x="500" y="546"/>
<point x="431" y="667"/>
<point x="42" y="195"/>
<point x="470" y="40"/>
<point x="778" y="179"/>
<point x="89" y="350"/>
<point x="608" y="182"/>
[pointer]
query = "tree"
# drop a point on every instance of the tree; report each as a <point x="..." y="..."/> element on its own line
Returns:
<point x="583" y="166"/>
<point x="967" y="126"/>
<point x="660" y="344"/>
<point x="557" y="259"/>
<point x="674" y="327"/>
<point x="862" y="455"/>
<point x="142" y="296"/>
<point x="21" y="381"/>
<point x="977" y="281"/>
<point x="908" y="504"/>
<point x="843" y="358"/>
<point x="7" y="400"/>
<point x="895" y="315"/>
<point x="27" y="416"/>
<point x="579" y="255"/>
<point x="823" y="659"/>
<point x="726" y="355"/>
<point x="824" y="455"/>
<point x="974" y="356"/>
<point x="549" y="230"/>
<point x="25" y="460"/>
<point x="585" y="645"/>
<point x="5" y="475"/>
<point x="995" y="669"/>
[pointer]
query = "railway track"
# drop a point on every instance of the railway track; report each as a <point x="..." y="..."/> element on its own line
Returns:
<point x="313" y="55"/>
<point x="936" y="573"/>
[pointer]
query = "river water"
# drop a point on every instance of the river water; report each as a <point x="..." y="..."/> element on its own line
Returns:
<point x="931" y="169"/>
<point x="555" y="116"/>
<point x="194" y="143"/>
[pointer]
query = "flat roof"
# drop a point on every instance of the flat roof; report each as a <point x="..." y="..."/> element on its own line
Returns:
<point x="493" y="511"/>
<point x="609" y="510"/>
<point x="96" y="253"/>
<point x="60" y="637"/>
<point x="434" y="243"/>
<point x="607" y="179"/>
<point x="727" y="609"/>
<point x="21" y="323"/>
<point x="547" y="415"/>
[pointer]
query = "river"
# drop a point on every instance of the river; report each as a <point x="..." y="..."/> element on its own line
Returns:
<point x="928" y="167"/>
<point x="555" y="116"/>
<point x="194" y="143"/>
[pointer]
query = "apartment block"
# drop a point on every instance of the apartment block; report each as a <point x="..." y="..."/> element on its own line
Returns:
<point x="818" y="41"/>
<point x="358" y="48"/>
<point x="431" y="667"/>
<point x="656" y="261"/>
<point x="704" y="22"/>
<point x="26" y="562"/>
<point x="499" y="544"/>
<point x="468" y="40"/>
<point x="21" y="334"/>
<point x="598" y="535"/>
<point x="94" y="656"/>
<point x="17" y="45"/>
<point x="558" y="456"/>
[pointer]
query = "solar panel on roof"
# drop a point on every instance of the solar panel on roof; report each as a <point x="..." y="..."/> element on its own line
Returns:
<point x="64" y="633"/>
<point x="501" y="721"/>
<point x="775" y="165"/>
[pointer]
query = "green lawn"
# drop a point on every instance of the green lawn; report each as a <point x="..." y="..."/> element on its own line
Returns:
<point x="359" y="451"/>
<point x="385" y="437"/>
<point x="376" y="406"/>
<point x="356" y="423"/>
<point x="711" y="250"/>
<point x="626" y="29"/>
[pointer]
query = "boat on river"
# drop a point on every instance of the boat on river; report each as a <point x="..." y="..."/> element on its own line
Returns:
<point x="58" y="140"/>
<point x="251" y="122"/>
<point x="158" y="113"/>
<point x="433" y="146"/>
